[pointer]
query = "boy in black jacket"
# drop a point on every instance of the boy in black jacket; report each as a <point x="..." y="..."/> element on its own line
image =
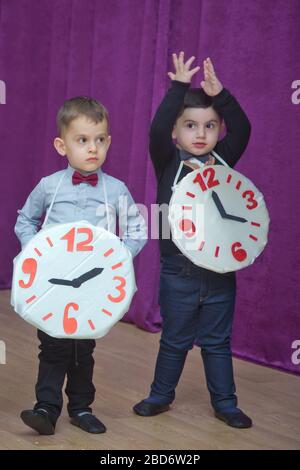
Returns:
<point x="197" y="305"/>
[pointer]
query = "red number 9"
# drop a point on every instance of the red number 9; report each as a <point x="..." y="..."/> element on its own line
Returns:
<point x="188" y="227"/>
<point x="29" y="266"/>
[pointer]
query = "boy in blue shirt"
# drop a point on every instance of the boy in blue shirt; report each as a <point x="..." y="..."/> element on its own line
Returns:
<point x="197" y="305"/>
<point x="83" y="126"/>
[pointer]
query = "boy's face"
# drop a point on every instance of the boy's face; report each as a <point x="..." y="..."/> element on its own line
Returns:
<point x="197" y="130"/>
<point x="85" y="144"/>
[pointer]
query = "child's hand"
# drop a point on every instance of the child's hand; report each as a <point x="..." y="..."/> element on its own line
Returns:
<point x="211" y="84"/>
<point x="182" y="70"/>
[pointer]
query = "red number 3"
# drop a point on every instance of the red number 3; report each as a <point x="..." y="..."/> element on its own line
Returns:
<point x="120" y="288"/>
<point x="250" y="199"/>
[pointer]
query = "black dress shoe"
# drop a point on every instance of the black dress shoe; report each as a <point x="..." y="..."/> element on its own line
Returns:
<point x="236" y="419"/>
<point x="38" y="420"/>
<point x="149" y="409"/>
<point x="88" y="423"/>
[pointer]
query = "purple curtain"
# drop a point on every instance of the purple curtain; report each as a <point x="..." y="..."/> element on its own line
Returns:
<point x="119" y="53"/>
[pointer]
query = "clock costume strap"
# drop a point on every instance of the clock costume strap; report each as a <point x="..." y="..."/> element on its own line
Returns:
<point x="55" y="194"/>
<point x="219" y="158"/>
<point x="200" y="165"/>
<point x="106" y="204"/>
<point x="53" y="199"/>
<point x="177" y="175"/>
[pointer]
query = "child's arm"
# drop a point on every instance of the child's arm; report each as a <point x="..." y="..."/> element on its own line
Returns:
<point x="30" y="215"/>
<point x="238" y="126"/>
<point x="161" y="144"/>
<point x="133" y="229"/>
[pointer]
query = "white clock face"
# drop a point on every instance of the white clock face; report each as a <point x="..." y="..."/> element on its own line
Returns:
<point x="218" y="219"/>
<point x="73" y="280"/>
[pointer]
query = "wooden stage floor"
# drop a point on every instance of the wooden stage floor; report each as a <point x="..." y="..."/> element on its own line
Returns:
<point x="124" y="367"/>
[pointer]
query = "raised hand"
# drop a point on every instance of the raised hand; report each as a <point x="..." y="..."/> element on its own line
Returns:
<point x="211" y="84"/>
<point x="182" y="70"/>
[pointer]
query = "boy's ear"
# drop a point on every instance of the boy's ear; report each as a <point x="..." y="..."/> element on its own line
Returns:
<point x="59" y="146"/>
<point x="222" y="128"/>
<point x="174" y="133"/>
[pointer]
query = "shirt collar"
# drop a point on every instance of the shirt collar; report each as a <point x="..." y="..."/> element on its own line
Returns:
<point x="184" y="155"/>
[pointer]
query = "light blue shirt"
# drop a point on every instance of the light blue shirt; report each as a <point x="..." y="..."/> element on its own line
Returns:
<point x="83" y="202"/>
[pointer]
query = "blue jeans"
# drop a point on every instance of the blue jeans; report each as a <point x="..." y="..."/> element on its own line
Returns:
<point x="197" y="307"/>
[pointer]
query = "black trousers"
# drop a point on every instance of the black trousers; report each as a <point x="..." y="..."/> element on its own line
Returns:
<point x="60" y="358"/>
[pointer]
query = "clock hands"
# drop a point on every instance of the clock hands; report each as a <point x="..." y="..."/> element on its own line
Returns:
<point x="77" y="281"/>
<point x="61" y="282"/>
<point x="222" y="211"/>
<point x="86" y="276"/>
<point x="235" y="217"/>
<point x="218" y="203"/>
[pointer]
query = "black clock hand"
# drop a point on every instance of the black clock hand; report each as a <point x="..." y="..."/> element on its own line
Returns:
<point x="79" y="280"/>
<point x="222" y="211"/>
<point x="236" y="218"/>
<point x="61" y="282"/>
<point x="86" y="276"/>
<point x="218" y="203"/>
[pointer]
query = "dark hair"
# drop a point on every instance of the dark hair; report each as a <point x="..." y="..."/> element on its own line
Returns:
<point x="197" y="98"/>
<point x="80" y="106"/>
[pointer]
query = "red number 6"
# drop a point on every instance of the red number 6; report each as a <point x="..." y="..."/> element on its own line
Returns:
<point x="237" y="252"/>
<point x="70" y="324"/>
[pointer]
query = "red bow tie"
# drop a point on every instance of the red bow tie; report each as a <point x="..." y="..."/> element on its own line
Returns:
<point x="78" y="178"/>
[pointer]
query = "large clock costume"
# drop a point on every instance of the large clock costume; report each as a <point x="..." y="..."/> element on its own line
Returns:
<point x="218" y="218"/>
<point x="73" y="280"/>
